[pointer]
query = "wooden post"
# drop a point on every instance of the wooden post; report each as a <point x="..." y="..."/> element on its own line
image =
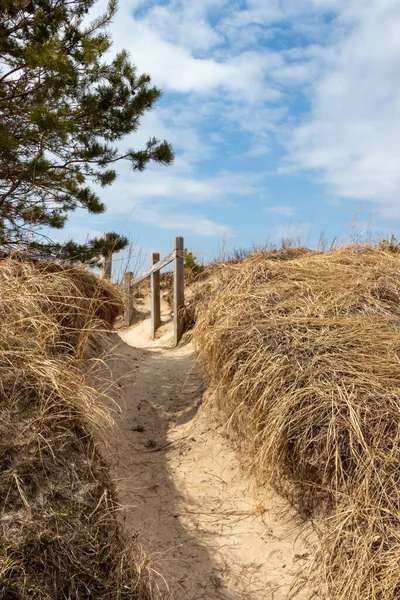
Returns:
<point x="107" y="266"/>
<point x="179" y="289"/>
<point x="128" y="306"/>
<point x="155" y="297"/>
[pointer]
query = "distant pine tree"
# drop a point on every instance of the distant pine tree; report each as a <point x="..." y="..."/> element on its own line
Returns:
<point x="191" y="266"/>
<point x="63" y="108"/>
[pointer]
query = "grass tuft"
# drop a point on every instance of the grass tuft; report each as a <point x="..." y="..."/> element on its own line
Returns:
<point x="59" y="535"/>
<point x="303" y="350"/>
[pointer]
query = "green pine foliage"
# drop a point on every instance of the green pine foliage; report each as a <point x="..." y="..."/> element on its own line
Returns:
<point x="191" y="266"/>
<point x="90" y="254"/>
<point x="64" y="107"/>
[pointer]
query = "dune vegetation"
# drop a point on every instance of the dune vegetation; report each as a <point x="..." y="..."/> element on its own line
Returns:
<point x="302" y="350"/>
<point x="59" y="535"/>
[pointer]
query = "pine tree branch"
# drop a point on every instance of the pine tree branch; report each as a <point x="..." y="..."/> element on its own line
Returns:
<point x="12" y="189"/>
<point x="10" y="73"/>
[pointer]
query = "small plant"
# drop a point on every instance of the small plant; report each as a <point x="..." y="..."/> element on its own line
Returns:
<point x="192" y="267"/>
<point x="392" y="245"/>
<point x="151" y="445"/>
<point x="138" y="428"/>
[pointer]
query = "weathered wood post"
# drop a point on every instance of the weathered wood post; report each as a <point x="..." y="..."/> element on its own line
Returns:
<point x="179" y="289"/>
<point x="155" y="297"/>
<point x="107" y="265"/>
<point x="128" y="305"/>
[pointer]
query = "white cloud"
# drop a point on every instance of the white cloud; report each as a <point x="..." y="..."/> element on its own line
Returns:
<point x="159" y="215"/>
<point x="258" y="12"/>
<point x="178" y="24"/>
<point x="284" y="210"/>
<point x="167" y="198"/>
<point x="181" y="44"/>
<point x="352" y="134"/>
<point x="184" y="223"/>
<point x="157" y="47"/>
<point x="298" y="73"/>
<point x="230" y="90"/>
<point x="175" y="188"/>
<point x="79" y="233"/>
<point x="175" y="69"/>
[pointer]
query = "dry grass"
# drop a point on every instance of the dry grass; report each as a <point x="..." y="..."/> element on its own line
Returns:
<point x="59" y="536"/>
<point x="304" y="355"/>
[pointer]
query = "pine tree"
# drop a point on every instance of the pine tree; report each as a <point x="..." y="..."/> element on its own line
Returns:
<point x="63" y="109"/>
<point x="191" y="266"/>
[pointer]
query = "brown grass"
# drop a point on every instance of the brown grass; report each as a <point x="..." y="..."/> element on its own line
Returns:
<point x="304" y="354"/>
<point x="59" y="535"/>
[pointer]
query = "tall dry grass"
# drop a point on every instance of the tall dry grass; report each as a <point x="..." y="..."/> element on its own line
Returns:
<point x="304" y="355"/>
<point x="59" y="535"/>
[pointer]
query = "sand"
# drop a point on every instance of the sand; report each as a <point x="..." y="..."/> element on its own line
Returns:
<point x="211" y="533"/>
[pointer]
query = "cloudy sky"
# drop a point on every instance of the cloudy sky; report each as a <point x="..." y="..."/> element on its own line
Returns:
<point x="284" y="116"/>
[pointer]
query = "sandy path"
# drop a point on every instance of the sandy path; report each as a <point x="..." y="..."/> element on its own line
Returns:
<point x="211" y="534"/>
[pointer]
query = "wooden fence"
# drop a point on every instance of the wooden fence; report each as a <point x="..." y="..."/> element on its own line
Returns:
<point x="177" y="257"/>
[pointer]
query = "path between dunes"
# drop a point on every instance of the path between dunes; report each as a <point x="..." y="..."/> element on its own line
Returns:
<point x="211" y="533"/>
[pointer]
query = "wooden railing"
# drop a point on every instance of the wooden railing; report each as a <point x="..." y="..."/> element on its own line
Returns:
<point x="177" y="257"/>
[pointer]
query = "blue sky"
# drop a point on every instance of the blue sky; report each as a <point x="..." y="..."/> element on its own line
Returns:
<point x="284" y="116"/>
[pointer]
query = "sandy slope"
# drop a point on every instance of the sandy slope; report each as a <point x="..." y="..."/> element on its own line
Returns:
<point x="212" y="535"/>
